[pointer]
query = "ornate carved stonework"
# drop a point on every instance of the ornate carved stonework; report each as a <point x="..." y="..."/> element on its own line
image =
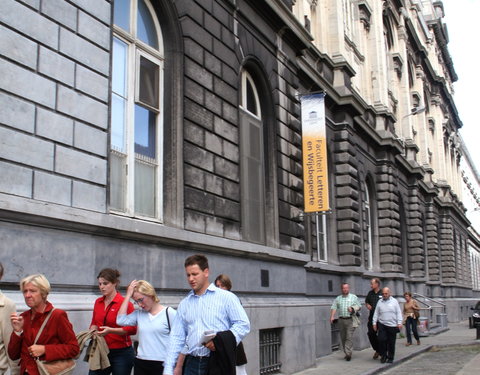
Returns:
<point x="365" y="15"/>
<point x="397" y="64"/>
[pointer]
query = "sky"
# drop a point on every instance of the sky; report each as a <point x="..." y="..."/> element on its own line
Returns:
<point x="461" y="18"/>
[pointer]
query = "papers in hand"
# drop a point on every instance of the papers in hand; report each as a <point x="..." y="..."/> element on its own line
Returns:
<point x="206" y="337"/>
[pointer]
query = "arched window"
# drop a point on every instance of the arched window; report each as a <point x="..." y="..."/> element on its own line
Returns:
<point x="137" y="110"/>
<point x="252" y="164"/>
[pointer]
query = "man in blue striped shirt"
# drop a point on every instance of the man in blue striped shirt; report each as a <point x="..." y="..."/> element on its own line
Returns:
<point x="205" y="308"/>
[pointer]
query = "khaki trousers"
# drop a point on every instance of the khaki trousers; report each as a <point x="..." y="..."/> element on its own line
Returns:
<point x="346" y="334"/>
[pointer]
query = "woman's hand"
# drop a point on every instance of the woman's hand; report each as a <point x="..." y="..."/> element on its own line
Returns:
<point x="104" y="330"/>
<point x="131" y="289"/>
<point x="17" y="322"/>
<point x="36" y="350"/>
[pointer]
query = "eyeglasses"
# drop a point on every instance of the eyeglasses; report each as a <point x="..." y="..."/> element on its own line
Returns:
<point x="139" y="301"/>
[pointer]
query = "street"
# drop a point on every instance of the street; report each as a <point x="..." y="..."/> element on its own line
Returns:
<point x="437" y="361"/>
<point x="452" y="352"/>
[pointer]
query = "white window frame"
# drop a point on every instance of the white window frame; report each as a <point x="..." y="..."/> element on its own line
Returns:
<point x="246" y="77"/>
<point x="137" y="48"/>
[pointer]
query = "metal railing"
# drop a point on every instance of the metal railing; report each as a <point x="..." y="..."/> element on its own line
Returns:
<point x="432" y="305"/>
<point x="270" y="341"/>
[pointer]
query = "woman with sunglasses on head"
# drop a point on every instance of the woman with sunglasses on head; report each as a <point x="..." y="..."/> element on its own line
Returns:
<point x="104" y="322"/>
<point x="153" y="321"/>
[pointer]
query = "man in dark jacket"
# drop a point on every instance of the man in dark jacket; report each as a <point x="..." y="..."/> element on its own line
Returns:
<point x="371" y="302"/>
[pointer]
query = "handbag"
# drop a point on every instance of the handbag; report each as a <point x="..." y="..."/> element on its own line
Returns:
<point x="416" y="311"/>
<point x="58" y="367"/>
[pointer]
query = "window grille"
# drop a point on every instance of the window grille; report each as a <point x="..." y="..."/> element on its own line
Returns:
<point x="270" y="341"/>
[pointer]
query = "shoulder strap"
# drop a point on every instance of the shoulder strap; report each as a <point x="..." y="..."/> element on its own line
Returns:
<point x="43" y="326"/>
<point x="168" y="319"/>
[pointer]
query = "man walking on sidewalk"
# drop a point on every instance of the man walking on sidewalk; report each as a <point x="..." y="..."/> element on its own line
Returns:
<point x="347" y="305"/>
<point x="371" y="302"/>
<point x="387" y="321"/>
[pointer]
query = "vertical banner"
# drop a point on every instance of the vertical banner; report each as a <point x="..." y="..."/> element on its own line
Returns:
<point x="314" y="147"/>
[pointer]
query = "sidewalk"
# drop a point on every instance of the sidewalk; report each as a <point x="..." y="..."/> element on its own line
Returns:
<point x="363" y="364"/>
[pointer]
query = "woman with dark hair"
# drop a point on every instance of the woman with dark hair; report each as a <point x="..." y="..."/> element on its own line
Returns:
<point x="224" y="282"/>
<point x="410" y="316"/>
<point x="104" y="322"/>
<point x="56" y="341"/>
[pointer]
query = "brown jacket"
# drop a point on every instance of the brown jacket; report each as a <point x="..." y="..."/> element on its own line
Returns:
<point x="97" y="350"/>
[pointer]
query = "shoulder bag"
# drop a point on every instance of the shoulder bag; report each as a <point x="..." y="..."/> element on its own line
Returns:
<point x="58" y="367"/>
<point x="416" y="311"/>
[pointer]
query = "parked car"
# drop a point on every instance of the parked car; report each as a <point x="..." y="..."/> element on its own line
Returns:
<point x="475" y="317"/>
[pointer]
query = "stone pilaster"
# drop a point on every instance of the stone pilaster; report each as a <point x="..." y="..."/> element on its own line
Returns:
<point x="346" y="198"/>
<point x="447" y="251"/>
<point x="431" y="226"/>
<point x="415" y="237"/>
<point x="388" y="220"/>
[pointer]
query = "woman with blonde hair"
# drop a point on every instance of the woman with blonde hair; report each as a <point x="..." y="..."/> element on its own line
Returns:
<point x="57" y="340"/>
<point x="153" y="322"/>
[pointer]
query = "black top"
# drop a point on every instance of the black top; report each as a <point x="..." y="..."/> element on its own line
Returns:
<point x="222" y="360"/>
<point x="372" y="299"/>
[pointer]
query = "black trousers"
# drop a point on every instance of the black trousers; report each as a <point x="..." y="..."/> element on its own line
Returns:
<point x="146" y="367"/>
<point x="386" y="340"/>
<point x="372" y="336"/>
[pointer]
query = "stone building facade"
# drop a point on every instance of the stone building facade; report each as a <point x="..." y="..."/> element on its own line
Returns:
<point x="134" y="133"/>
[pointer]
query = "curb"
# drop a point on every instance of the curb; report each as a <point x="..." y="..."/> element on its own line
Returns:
<point x="418" y="352"/>
<point x="395" y="363"/>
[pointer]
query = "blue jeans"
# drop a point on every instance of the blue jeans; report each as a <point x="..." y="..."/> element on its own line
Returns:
<point x="121" y="362"/>
<point x="411" y="323"/>
<point x="195" y="365"/>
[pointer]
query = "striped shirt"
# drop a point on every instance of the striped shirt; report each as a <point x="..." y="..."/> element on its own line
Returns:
<point x="217" y="310"/>
<point x="342" y="303"/>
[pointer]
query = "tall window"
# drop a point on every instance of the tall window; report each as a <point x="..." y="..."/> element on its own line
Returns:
<point x="136" y="121"/>
<point x="321" y="229"/>
<point x="252" y="162"/>
<point x="403" y="237"/>
<point x="368" y="225"/>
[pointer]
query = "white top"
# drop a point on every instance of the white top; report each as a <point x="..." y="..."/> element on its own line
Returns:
<point x="152" y="330"/>
<point x="388" y="312"/>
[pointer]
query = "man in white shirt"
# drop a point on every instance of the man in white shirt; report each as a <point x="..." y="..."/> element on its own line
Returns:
<point x="387" y="321"/>
<point x="7" y="307"/>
